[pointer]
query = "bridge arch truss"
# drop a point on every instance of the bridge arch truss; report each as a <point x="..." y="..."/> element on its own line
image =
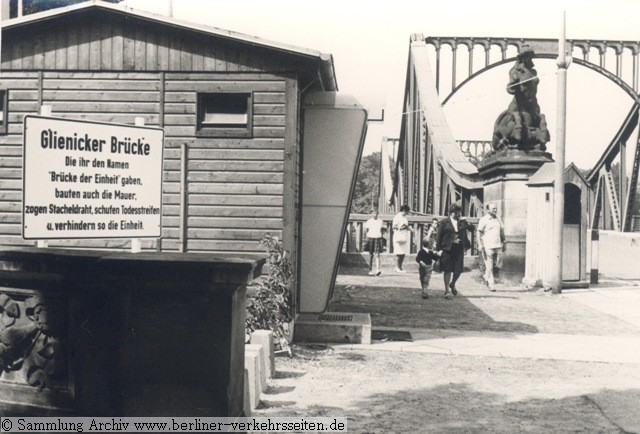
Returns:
<point x="433" y="169"/>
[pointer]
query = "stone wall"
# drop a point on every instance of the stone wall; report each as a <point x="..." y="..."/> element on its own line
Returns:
<point x="620" y="254"/>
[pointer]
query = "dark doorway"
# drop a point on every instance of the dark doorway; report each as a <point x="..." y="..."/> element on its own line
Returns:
<point x="571" y="232"/>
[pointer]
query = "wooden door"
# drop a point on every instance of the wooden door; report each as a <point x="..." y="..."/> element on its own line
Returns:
<point x="571" y="252"/>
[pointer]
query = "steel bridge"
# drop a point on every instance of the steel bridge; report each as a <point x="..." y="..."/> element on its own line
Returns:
<point x="433" y="168"/>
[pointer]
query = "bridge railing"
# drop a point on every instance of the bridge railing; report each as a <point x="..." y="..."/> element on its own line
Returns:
<point x="475" y="150"/>
<point x="355" y="238"/>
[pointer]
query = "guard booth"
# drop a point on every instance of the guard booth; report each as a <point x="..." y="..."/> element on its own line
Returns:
<point x="539" y="241"/>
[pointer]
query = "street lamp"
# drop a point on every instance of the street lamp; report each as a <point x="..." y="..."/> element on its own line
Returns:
<point x="563" y="63"/>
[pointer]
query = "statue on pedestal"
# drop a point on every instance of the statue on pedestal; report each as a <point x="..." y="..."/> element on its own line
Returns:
<point x="521" y="126"/>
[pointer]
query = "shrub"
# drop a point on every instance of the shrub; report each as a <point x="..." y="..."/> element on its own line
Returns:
<point x="270" y="307"/>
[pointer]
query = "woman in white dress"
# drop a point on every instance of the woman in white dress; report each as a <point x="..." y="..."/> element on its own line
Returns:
<point x="373" y="230"/>
<point x="401" y="236"/>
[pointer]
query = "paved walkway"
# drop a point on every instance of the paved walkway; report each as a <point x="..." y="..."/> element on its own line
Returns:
<point x="621" y="302"/>
<point x="516" y="360"/>
<point x="606" y="349"/>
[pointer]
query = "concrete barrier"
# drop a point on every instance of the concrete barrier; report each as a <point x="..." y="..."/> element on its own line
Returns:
<point x="619" y="254"/>
<point x="246" y="403"/>
<point x="265" y="339"/>
<point x="261" y="356"/>
<point x="252" y="364"/>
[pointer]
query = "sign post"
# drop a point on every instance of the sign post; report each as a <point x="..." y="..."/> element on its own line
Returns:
<point x="136" y="244"/>
<point x="45" y="110"/>
<point x="91" y="180"/>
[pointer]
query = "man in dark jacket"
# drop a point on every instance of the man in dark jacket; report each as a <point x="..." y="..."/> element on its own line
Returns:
<point x="451" y="243"/>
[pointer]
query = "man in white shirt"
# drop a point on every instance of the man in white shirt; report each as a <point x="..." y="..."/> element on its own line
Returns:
<point x="492" y="242"/>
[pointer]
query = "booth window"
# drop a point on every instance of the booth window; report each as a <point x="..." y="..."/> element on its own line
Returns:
<point x="3" y="111"/>
<point x="224" y="114"/>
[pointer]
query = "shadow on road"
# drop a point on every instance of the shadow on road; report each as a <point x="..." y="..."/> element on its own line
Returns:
<point x="401" y="306"/>
<point x="457" y="407"/>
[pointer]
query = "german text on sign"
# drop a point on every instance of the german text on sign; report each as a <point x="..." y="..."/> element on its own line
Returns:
<point x="91" y="180"/>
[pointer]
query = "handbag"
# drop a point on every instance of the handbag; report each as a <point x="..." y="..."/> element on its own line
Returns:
<point x="400" y="236"/>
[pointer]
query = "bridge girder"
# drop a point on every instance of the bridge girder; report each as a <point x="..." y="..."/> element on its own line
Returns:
<point x="547" y="49"/>
<point x="543" y="48"/>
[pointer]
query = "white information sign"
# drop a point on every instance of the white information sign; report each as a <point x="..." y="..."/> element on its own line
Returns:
<point x="90" y="180"/>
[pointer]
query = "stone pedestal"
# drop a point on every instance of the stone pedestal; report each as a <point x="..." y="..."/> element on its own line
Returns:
<point x="505" y="174"/>
<point x="88" y="333"/>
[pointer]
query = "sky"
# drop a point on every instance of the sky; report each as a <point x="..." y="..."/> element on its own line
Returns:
<point x="370" y="40"/>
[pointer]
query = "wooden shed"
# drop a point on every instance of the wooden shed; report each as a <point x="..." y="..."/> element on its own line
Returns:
<point x="539" y="256"/>
<point x="235" y="110"/>
<point x="229" y="105"/>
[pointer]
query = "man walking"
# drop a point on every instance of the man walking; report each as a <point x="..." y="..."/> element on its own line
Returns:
<point x="492" y="242"/>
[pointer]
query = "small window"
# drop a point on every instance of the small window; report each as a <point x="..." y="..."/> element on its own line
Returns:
<point x="3" y="111"/>
<point x="224" y="114"/>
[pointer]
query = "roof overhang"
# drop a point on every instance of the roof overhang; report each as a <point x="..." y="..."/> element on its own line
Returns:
<point x="326" y="68"/>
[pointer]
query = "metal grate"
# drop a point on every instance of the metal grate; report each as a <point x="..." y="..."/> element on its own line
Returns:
<point x="391" y="335"/>
<point x="335" y="317"/>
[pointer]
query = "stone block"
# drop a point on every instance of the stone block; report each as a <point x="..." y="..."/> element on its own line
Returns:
<point x="265" y="338"/>
<point x="333" y="327"/>
<point x="252" y="365"/>
<point x="516" y="208"/>
<point x="515" y="227"/>
<point x="246" y="403"/>
<point x="249" y="348"/>
<point x="516" y="189"/>
<point x="512" y="270"/>
<point x="178" y="310"/>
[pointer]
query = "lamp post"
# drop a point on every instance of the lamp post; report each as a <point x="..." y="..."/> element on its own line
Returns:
<point x="563" y="63"/>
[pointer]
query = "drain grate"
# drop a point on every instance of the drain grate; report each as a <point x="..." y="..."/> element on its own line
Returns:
<point x="391" y="335"/>
<point x="335" y="317"/>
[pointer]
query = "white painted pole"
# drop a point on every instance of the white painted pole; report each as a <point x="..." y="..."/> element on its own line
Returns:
<point x="136" y="243"/>
<point x="45" y="110"/>
<point x="184" y="186"/>
<point x="558" y="196"/>
<point x="595" y="255"/>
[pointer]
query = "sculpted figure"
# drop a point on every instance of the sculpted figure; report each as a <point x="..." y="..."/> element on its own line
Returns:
<point x="521" y="125"/>
<point x="30" y="342"/>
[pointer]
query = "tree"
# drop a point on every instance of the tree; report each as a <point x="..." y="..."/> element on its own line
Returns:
<point x="33" y="6"/>
<point x="365" y="194"/>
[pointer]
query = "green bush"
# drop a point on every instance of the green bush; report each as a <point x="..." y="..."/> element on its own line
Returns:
<point x="270" y="307"/>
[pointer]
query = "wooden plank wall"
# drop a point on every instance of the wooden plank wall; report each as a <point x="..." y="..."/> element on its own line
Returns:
<point x="113" y="42"/>
<point x="109" y="66"/>
<point x="235" y="185"/>
<point x="22" y="100"/>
